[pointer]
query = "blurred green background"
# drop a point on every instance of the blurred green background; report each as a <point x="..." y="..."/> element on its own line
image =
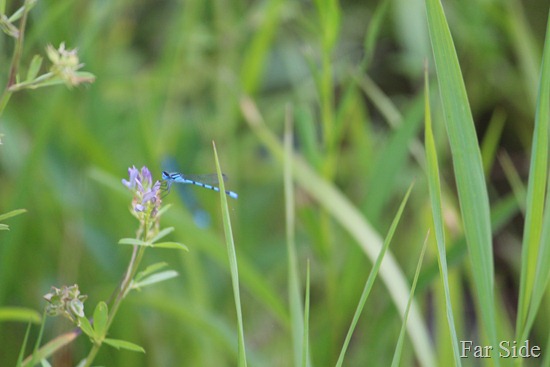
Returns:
<point x="170" y="78"/>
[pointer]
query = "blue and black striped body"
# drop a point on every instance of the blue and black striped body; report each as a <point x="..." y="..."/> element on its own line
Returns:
<point x="197" y="180"/>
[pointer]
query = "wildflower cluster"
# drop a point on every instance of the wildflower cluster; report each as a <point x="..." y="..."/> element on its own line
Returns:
<point x="147" y="195"/>
<point x="66" y="301"/>
<point x="65" y="65"/>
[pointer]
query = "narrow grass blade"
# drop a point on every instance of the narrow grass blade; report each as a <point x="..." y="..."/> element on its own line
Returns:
<point x="470" y="179"/>
<point x="23" y="346"/>
<point x="399" y="347"/>
<point x="372" y="277"/>
<point x="305" y="343"/>
<point x="539" y="253"/>
<point x="39" y="339"/>
<point x="295" y="304"/>
<point x="437" y="215"/>
<point x="514" y="180"/>
<point x="355" y="223"/>
<point x="491" y="139"/>
<point x="233" y="267"/>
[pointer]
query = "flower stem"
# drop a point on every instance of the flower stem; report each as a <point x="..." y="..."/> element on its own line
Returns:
<point x="133" y="265"/>
<point x="16" y="59"/>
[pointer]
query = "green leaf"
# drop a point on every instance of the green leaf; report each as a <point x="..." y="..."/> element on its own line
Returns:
<point x="13" y="213"/>
<point x="34" y="68"/>
<point x="536" y="252"/>
<point x="101" y="314"/>
<point x="20" y="314"/>
<point x="174" y="245"/>
<point x="51" y="347"/>
<point x="399" y="347"/>
<point x="233" y="267"/>
<point x="86" y="327"/>
<point x="468" y="168"/>
<point x="162" y="234"/>
<point x="155" y="278"/>
<point x="434" y="185"/>
<point x="164" y="209"/>
<point x="23" y="346"/>
<point x="133" y="242"/>
<point x="372" y="277"/>
<point x="4" y="227"/>
<point x="123" y="344"/>
<point x="150" y="270"/>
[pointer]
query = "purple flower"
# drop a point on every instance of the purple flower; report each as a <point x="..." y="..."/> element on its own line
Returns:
<point x="133" y="173"/>
<point x="146" y="201"/>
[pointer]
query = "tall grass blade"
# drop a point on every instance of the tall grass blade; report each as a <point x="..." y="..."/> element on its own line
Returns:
<point x="437" y="215"/>
<point x="537" y="256"/>
<point x="355" y="223"/>
<point x="372" y="277"/>
<point x="23" y="346"/>
<point x="470" y="179"/>
<point x="233" y="267"/>
<point x="295" y="304"/>
<point x="305" y="343"/>
<point x="399" y="347"/>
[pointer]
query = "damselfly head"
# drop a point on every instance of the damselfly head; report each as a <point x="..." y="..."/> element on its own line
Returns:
<point x="165" y="175"/>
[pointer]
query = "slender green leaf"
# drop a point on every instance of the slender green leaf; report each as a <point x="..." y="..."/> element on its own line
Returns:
<point x="13" y="213"/>
<point x="514" y="179"/>
<point x="233" y="267"/>
<point x="155" y="278"/>
<point x="150" y="270"/>
<point x="399" y="346"/>
<point x="123" y="344"/>
<point x="437" y="217"/>
<point x="39" y="339"/>
<point x="470" y="179"/>
<point x="372" y="277"/>
<point x="539" y="253"/>
<point x="162" y="233"/>
<point x="305" y="343"/>
<point x="174" y="245"/>
<point x="34" y="68"/>
<point x="134" y="242"/>
<point x="23" y="346"/>
<point x="295" y="304"/>
<point x="491" y="139"/>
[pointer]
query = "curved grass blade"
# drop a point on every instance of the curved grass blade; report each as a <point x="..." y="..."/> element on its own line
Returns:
<point x="232" y="254"/>
<point x="470" y="179"/>
<point x="437" y="215"/>
<point x="399" y="347"/>
<point x="372" y="277"/>
<point x="538" y="254"/>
